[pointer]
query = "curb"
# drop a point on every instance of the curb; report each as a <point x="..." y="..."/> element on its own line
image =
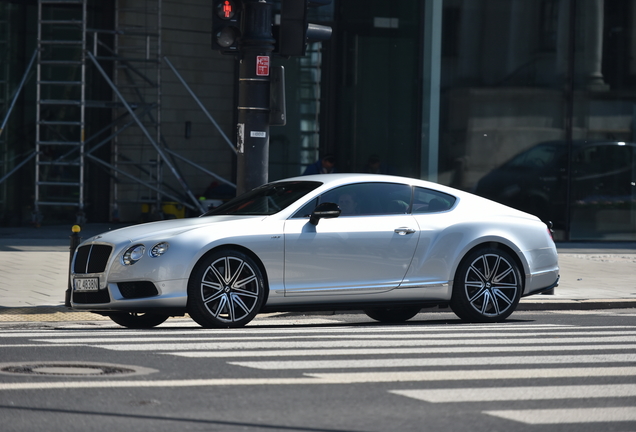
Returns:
<point x="582" y="304"/>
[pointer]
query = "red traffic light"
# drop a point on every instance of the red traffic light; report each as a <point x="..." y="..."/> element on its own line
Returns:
<point x="226" y="9"/>
<point x="226" y="25"/>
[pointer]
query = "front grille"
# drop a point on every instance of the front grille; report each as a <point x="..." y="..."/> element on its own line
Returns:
<point x="100" y="296"/>
<point x="91" y="259"/>
<point x="137" y="289"/>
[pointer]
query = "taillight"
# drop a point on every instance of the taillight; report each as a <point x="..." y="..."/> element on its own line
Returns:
<point x="550" y="230"/>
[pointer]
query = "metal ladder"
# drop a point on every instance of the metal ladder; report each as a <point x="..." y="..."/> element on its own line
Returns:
<point x="137" y="76"/>
<point x="61" y="106"/>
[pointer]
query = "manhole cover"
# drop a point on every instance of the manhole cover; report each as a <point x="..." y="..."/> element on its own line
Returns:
<point x="76" y="369"/>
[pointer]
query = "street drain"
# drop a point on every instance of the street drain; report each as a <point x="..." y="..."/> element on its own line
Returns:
<point x="72" y="369"/>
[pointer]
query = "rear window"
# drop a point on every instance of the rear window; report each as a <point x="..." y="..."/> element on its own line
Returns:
<point x="430" y="201"/>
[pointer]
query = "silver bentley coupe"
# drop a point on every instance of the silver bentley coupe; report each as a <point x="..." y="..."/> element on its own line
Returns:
<point x="389" y="246"/>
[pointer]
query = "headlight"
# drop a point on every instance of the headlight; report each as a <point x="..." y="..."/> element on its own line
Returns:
<point x="133" y="254"/>
<point x="158" y="249"/>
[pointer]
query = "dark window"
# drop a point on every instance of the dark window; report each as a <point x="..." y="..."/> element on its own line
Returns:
<point x="366" y="199"/>
<point x="266" y="200"/>
<point x="430" y="201"/>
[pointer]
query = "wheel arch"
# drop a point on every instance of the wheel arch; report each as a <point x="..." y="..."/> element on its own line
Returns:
<point x="241" y="249"/>
<point x="495" y="245"/>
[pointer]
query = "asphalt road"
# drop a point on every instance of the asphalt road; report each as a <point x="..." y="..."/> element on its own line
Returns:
<point x="546" y="370"/>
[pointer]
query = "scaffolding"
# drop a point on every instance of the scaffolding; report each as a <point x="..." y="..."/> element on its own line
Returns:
<point x="60" y="107"/>
<point x="128" y="58"/>
<point x="137" y="75"/>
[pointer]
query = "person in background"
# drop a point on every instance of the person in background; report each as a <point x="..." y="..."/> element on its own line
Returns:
<point x="326" y="165"/>
<point x="376" y="166"/>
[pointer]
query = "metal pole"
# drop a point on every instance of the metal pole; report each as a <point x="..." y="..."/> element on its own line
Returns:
<point x="569" y="115"/>
<point x="141" y="182"/>
<point x="17" y="167"/>
<point x="219" y="178"/>
<point x="17" y="93"/>
<point x="75" y="241"/>
<point x="203" y="108"/>
<point x="256" y="46"/>
<point x="146" y="133"/>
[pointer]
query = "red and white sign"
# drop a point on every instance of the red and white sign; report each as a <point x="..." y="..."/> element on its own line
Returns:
<point x="262" y="65"/>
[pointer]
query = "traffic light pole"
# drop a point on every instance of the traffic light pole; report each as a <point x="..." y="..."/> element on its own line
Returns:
<point x="256" y="46"/>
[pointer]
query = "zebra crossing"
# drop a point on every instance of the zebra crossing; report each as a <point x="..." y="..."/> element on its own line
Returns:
<point x="591" y="363"/>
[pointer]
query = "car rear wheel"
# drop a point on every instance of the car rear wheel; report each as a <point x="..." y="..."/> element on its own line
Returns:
<point x="138" y="320"/>
<point x="226" y="289"/>
<point x="392" y="315"/>
<point x="487" y="286"/>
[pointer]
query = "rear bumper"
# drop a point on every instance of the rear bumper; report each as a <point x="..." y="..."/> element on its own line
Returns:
<point x="544" y="289"/>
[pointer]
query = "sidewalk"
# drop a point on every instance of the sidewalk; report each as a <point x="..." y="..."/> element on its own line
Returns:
<point x="34" y="265"/>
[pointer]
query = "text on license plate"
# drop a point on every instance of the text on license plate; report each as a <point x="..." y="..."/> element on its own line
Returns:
<point x="87" y="284"/>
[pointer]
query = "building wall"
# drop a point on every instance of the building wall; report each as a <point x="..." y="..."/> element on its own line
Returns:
<point x="185" y="41"/>
<point x="514" y="74"/>
<point x="211" y="76"/>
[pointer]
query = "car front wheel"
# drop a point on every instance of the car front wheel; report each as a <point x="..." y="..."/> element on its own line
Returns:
<point x="487" y="286"/>
<point x="226" y="289"/>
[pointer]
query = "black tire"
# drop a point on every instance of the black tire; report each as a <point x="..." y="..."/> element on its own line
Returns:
<point x="487" y="286"/>
<point x="138" y="320"/>
<point x="226" y="289"/>
<point x="392" y="315"/>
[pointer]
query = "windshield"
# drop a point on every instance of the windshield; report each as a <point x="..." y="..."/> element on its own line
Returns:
<point x="265" y="200"/>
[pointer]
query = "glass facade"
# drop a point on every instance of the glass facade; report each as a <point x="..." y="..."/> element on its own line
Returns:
<point x="17" y="114"/>
<point x="528" y="102"/>
<point x="537" y="110"/>
<point x="375" y="87"/>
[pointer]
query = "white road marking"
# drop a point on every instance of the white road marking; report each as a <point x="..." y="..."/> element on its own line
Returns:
<point x="438" y="361"/>
<point x="149" y="338"/>
<point x="246" y="344"/>
<point x="490" y="394"/>
<point x="393" y="351"/>
<point x="461" y="328"/>
<point x="337" y="378"/>
<point x="492" y="374"/>
<point x="575" y="415"/>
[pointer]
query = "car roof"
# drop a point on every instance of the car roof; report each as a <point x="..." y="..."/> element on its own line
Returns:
<point x="341" y="179"/>
<point x="330" y="181"/>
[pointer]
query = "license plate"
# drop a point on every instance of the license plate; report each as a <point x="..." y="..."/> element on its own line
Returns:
<point x="86" y="284"/>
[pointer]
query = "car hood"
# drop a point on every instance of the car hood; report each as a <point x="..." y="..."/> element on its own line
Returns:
<point x="169" y="228"/>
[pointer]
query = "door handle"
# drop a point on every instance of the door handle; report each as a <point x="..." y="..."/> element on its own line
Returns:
<point x="404" y="231"/>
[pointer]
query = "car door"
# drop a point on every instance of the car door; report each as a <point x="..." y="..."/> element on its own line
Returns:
<point x="366" y="250"/>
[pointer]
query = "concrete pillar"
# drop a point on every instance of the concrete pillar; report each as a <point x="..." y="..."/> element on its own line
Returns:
<point x="588" y="46"/>
<point x="593" y="39"/>
<point x="470" y="41"/>
<point x="519" y="41"/>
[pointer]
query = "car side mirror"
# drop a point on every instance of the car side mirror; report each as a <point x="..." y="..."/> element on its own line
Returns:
<point x="324" y="211"/>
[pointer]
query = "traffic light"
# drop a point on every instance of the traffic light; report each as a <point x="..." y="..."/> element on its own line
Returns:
<point x="295" y="31"/>
<point x="226" y="25"/>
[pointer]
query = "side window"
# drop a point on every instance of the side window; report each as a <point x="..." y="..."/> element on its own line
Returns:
<point x="305" y="211"/>
<point x="366" y="199"/>
<point x="430" y="201"/>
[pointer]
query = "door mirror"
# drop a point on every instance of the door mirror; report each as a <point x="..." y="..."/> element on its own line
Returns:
<point x="325" y="210"/>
